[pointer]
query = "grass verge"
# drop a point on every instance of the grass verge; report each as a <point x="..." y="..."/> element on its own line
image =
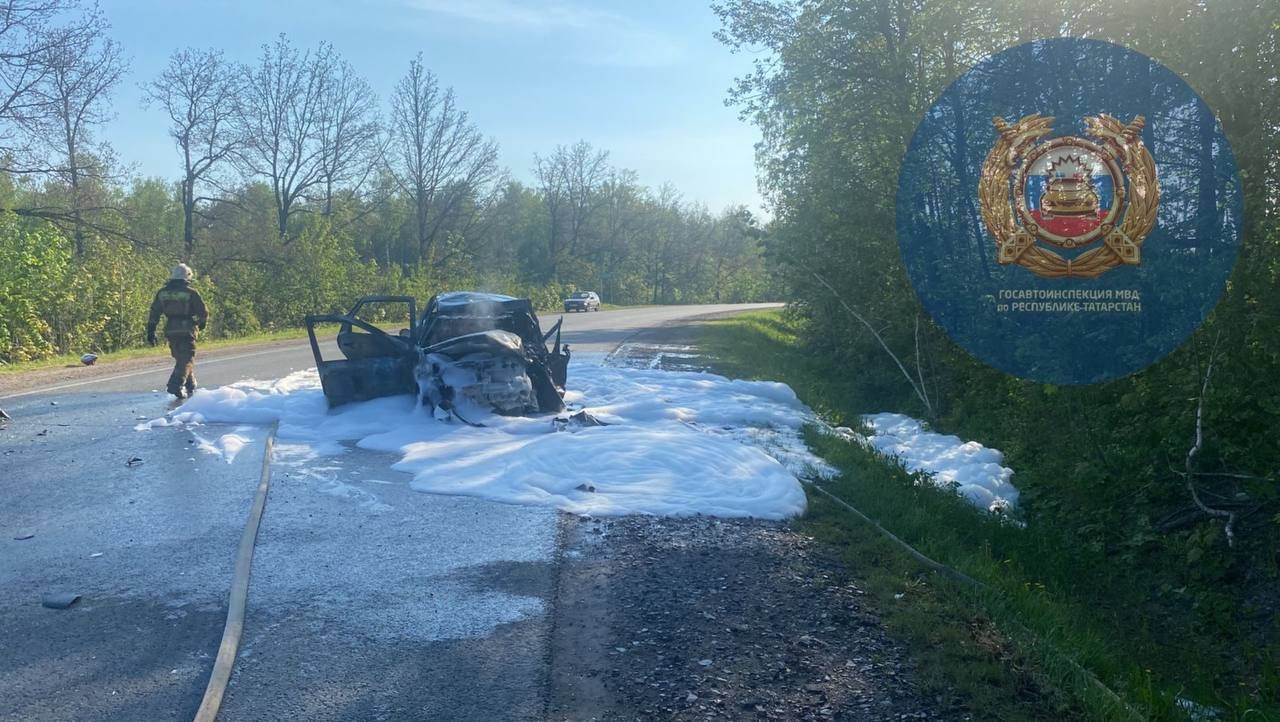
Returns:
<point x="1014" y="651"/>
<point x="161" y="351"/>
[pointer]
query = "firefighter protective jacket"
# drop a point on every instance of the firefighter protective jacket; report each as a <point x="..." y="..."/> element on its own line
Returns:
<point x="182" y="307"/>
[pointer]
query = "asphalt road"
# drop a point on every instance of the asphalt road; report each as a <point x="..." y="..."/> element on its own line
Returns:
<point x="599" y="331"/>
<point x="368" y="601"/>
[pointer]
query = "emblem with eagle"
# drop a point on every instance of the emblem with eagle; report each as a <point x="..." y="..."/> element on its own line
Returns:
<point x="1069" y="206"/>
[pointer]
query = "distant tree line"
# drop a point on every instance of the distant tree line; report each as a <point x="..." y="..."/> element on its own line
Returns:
<point x="297" y="189"/>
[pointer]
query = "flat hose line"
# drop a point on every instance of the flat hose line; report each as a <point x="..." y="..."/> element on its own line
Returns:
<point x="968" y="581"/>
<point x="234" y="627"/>
<point x="220" y="676"/>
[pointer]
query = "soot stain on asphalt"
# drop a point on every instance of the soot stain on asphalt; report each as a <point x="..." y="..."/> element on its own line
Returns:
<point x="699" y="618"/>
<point x="154" y="656"/>
<point x="520" y="579"/>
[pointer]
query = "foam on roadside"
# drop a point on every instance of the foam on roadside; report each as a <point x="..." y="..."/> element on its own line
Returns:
<point x="976" y="472"/>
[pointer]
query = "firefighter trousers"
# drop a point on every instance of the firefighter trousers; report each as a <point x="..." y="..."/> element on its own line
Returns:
<point x="183" y="349"/>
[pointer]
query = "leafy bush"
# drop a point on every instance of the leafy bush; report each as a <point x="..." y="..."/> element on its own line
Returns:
<point x="33" y="272"/>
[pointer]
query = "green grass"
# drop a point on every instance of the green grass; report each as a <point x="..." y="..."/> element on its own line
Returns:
<point x="977" y="640"/>
<point x="161" y="350"/>
<point x="1008" y="652"/>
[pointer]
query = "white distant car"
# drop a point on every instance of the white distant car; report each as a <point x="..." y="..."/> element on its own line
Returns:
<point x="582" y="301"/>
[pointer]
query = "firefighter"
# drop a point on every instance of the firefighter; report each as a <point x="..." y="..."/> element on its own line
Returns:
<point x="185" y="316"/>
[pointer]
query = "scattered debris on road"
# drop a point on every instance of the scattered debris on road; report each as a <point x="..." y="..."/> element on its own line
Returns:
<point x="59" y="600"/>
<point x="580" y="420"/>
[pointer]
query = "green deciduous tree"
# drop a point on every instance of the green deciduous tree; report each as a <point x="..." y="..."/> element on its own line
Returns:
<point x="837" y="90"/>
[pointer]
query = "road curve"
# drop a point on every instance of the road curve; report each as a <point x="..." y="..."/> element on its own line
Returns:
<point x="599" y="331"/>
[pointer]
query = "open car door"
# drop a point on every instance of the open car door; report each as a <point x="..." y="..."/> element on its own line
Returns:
<point x="374" y="363"/>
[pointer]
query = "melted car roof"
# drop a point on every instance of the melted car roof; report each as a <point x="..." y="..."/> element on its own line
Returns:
<point x="464" y="298"/>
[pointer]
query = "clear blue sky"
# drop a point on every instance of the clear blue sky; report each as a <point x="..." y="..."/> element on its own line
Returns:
<point x="644" y="80"/>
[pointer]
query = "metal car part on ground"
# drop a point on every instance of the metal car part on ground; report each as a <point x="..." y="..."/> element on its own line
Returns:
<point x="485" y="349"/>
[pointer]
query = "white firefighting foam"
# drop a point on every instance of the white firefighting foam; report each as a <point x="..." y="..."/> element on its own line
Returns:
<point x="676" y="443"/>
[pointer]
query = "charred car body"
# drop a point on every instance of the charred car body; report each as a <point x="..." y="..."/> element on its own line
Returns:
<point x="466" y="348"/>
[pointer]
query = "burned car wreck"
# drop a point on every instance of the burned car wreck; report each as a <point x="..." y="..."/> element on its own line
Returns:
<point x="467" y="350"/>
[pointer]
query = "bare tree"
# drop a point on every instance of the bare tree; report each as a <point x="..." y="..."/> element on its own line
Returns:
<point x="279" y="119"/>
<point x="34" y="33"/>
<point x="570" y="180"/>
<point x="621" y="203"/>
<point x="437" y="156"/>
<point x="348" y="132"/>
<point x="667" y="218"/>
<point x="77" y="89"/>
<point x="554" y="186"/>
<point x="57" y="69"/>
<point x="198" y="90"/>
<point x="586" y="171"/>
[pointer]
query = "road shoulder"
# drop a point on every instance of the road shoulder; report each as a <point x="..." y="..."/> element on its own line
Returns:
<point x="22" y="382"/>
<point x="701" y="618"/>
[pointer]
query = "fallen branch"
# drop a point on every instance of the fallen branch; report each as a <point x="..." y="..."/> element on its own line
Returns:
<point x="924" y="390"/>
<point x="918" y="387"/>
<point x="1230" y="516"/>
<point x="1191" y="514"/>
<point x="1231" y="475"/>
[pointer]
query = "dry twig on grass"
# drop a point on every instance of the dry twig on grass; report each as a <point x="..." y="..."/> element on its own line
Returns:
<point x="922" y="392"/>
<point x="1190" y="474"/>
